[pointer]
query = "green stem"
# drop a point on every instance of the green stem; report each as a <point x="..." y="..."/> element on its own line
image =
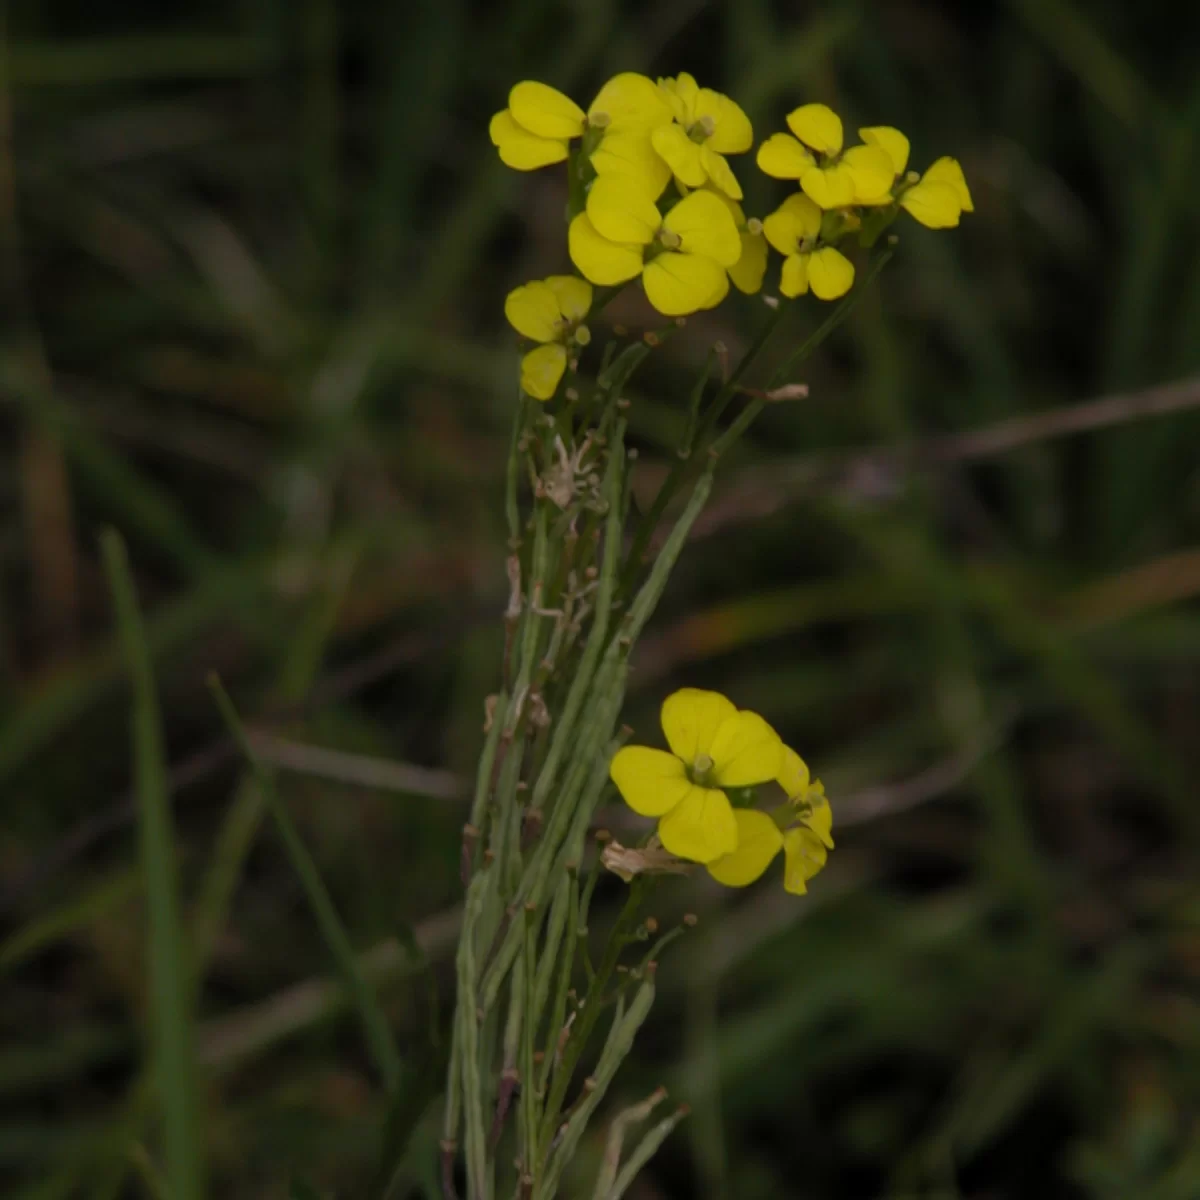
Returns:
<point x="583" y="1027"/>
<point x="682" y="469"/>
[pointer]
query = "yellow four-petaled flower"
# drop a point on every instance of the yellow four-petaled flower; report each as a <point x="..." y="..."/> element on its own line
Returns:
<point x="713" y="746"/>
<point x="682" y="257"/>
<point x="707" y="126"/>
<point x="940" y="196"/>
<point x="540" y="122"/>
<point x="829" y="176"/>
<point x="794" y="230"/>
<point x="549" y="311"/>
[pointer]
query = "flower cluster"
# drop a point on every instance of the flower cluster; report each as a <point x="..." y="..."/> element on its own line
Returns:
<point x="719" y="755"/>
<point x="654" y="197"/>
<point x="844" y="191"/>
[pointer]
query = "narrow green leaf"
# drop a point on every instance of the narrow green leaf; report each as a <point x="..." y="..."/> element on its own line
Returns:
<point x="378" y="1035"/>
<point x="171" y="993"/>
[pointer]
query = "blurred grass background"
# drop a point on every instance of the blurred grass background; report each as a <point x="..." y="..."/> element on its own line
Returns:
<point x="253" y="259"/>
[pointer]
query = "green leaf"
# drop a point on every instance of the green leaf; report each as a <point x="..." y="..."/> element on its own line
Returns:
<point x="172" y="1020"/>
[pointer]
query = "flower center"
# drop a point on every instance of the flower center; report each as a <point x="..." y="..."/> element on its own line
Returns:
<point x="701" y="130"/>
<point x="702" y="768"/>
<point x="669" y="238"/>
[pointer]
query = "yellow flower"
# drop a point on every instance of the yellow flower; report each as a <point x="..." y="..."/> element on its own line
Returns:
<point x="807" y="795"/>
<point x="707" y="126"/>
<point x="830" y="177"/>
<point x="940" y="197"/>
<point x="550" y="311"/>
<point x="747" y="273"/>
<point x="540" y="122"/>
<point x="713" y="746"/>
<point x="805" y="844"/>
<point x="681" y="257"/>
<point x="793" y="229"/>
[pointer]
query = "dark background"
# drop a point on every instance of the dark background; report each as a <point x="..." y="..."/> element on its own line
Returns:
<point x="254" y="256"/>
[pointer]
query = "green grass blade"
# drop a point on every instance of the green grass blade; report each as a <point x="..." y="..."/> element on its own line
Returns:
<point x="378" y="1034"/>
<point x="171" y="993"/>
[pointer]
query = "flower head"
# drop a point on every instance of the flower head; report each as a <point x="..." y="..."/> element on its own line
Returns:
<point x="681" y="256"/>
<point x="940" y="196"/>
<point x="713" y="746"/>
<point x="549" y="311"/>
<point x="794" y="229"/>
<point x="831" y="177"/>
<point x="706" y="127"/>
<point x="540" y="122"/>
<point x="801" y="830"/>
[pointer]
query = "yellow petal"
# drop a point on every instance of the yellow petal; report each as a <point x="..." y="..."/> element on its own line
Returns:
<point x="933" y="204"/>
<point x="829" y="187"/>
<point x="745" y="751"/>
<point x="830" y="273"/>
<point x="574" y="296"/>
<point x="678" y="284"/>
<point x="782" y="157"/>
<point x="705" y="226"/>
<point x="701" y="827"/>
<point x="747" y="273"/>
<point x="599" y="260"/>
<point x="672" y="98"/>
<point x="541" y="370"/>
<point x="532" y="310"/>
<point x="520" y="149"/>
<point x="690" y="719"/>
<point x="817" y="126"/>
<point x="680" y="153"/>
<point x="735" y="209"/>
<point x="759" y="840"/>
<point x="794" y="220"/>
<point x="871" y="169"/>
<point x="650" y="781"/>
<point x="820" y="820"/>
<point x="804" y="856"/>
<point x="681" y="93"/>
<point x="793" y="279"/>
<point x="732" y="132"/>
<point x="794" y="777"/>
<point x="622" y="211"/>
<point x="545" y="111"/>
<point x="632" y="154"/>
<point x="891" y="141"/>
<point x="720" y="172"/>
<point x="632" y="103"/>
<point x="947" y="170"/>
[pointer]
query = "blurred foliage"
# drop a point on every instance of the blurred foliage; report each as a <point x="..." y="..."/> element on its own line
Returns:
<point x="253" y="260"/>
